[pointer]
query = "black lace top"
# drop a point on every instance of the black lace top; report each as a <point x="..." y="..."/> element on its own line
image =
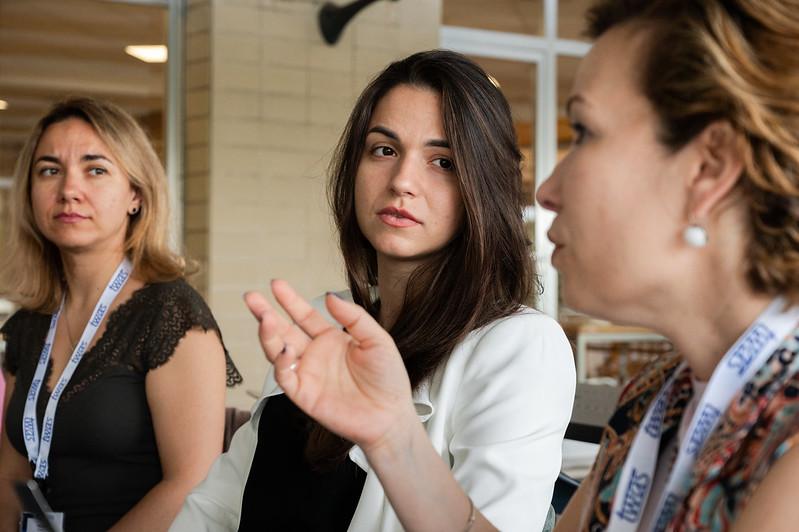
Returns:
<point x="104" y="456"/>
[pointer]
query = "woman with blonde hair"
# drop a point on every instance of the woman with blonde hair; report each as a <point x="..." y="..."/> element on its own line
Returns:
<point x="115" y="366"/>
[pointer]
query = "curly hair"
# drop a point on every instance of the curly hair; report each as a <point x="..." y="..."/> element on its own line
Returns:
<point x="737" y="61"/>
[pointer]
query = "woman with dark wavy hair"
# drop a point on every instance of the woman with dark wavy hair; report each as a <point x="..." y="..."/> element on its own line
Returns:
<point x="463" y="389"/>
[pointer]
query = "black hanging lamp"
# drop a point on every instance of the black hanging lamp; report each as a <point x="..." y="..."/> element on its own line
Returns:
<point x="333" y="18"/>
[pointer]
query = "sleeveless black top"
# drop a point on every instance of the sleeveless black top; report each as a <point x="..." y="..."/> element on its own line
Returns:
<point x="104" y="456"/>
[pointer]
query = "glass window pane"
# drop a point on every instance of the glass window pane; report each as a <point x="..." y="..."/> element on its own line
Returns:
<point x="514" y="16"/>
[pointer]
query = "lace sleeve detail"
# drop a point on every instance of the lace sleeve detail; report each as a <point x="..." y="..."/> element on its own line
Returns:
<point x="181" y="309"/>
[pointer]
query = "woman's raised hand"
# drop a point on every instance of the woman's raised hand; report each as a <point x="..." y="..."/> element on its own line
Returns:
<point x="353" y="382"/>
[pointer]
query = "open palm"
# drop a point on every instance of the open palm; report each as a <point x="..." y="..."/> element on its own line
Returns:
<point x="352" y="381"/>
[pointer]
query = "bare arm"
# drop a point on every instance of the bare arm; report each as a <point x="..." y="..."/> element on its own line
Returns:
<point x="13" y="467"/>
<point x="773" y="506"/>
<point x="420" y="486"/>
<point x="187" y="400"/>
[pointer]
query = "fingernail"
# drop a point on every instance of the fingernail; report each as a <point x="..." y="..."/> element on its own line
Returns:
<point x="334" y="294"/>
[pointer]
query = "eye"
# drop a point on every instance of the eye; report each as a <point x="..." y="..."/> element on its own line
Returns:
<point x="444" y="163"/>
<point x="47" y="171"/>
<point x="384" y="151"/>
<point x="580" y="133"/>
<point x="97" y="170"/>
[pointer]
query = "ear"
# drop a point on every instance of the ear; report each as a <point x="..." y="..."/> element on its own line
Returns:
<point x="720" y="151"/>
<point x="135" y="200"/>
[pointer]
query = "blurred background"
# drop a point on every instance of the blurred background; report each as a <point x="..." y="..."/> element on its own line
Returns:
<point x="244" y="101"/>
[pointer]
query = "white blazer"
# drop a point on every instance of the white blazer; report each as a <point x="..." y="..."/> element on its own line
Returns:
<point x="496" y="412"/>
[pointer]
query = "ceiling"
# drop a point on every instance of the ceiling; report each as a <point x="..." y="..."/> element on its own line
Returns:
<point x="53" y="48"/>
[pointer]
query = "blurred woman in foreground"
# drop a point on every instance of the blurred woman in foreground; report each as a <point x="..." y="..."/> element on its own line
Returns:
<point x="678" y="209"/>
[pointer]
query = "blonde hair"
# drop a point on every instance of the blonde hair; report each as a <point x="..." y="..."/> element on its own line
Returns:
<point x="31" y="272"/>
<point x="737" y="61"/>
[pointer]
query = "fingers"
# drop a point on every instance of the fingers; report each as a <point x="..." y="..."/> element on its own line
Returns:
<point x="359" y="324"/>
<point x="286" y="364"/>
<point x="304" y="316"/>
<point x="268" y="324"/>
<point x="257" y="304"/>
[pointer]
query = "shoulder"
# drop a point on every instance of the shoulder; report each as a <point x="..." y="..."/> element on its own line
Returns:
<point x="174" y="308"/>
<point x="21" y="332"/>
<point x="525" y="355"/>
<point x="176" y="291"/>
<point x="24" y="324"/>
<point x="177" y="302"/>
<point x="525" y="337"/>
<point x="21" y="321"/>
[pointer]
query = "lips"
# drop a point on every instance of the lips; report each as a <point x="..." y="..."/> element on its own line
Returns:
<point x="397" y="217"/>
<point x="552" y="239"/>
<point x="70" y="217"/>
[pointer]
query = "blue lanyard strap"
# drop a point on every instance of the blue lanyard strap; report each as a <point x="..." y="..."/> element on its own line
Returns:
<point x="39" y="448"/>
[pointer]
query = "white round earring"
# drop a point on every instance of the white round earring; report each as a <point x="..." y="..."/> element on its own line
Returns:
<point x="695" y="236"/>
<point x="134" y="211"/>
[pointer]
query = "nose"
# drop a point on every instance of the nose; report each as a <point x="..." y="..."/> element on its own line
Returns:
<point x="404" y="181"/>
<point x="70" y="186"/>
<point x="548" y="194"/>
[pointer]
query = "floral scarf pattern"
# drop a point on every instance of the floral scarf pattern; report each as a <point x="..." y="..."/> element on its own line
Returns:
<point x="760" y="425"/>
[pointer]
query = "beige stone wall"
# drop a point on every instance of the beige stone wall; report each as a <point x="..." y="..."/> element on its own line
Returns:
<point x="266" y="102"/>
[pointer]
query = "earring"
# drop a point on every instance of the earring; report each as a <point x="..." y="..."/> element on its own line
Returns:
<point x="134" y="211"/>
<point x="695" y="236"/>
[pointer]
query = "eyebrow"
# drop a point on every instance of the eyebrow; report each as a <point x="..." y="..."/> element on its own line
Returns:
<point x="436" y="143"/>
<point x="85" y="158"/>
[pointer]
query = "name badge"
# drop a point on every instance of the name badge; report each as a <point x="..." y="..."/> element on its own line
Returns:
<point x="29" y="523"/>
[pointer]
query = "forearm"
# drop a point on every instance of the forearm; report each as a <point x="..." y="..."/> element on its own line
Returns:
<point x="157" y="509"/>
<point x="9" y="507"/>
<point x="420" y="485"/>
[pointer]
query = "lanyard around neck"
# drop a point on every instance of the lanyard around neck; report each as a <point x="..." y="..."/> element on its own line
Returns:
<point x="39" y="449"/>
<point x="735" y="369"/>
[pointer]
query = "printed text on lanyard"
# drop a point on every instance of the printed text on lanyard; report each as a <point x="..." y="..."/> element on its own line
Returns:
<point x="738" y="366"/>
<point x="39" y="449"/>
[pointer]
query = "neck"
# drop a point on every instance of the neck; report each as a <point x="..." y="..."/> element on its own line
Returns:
<point x="392" y="282"/>
<point x="87" y="274"/>
<point x="703" y="339"/>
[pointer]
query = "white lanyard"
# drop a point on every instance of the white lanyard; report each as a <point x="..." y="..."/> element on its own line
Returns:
<point x="39" y="450"/>
<point x="735" y="369"/>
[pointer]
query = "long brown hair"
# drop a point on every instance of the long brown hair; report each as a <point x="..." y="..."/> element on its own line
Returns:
<point x="738" y="61"/>
<point x="31" y="273"/>
<point x="486" y="272"/>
